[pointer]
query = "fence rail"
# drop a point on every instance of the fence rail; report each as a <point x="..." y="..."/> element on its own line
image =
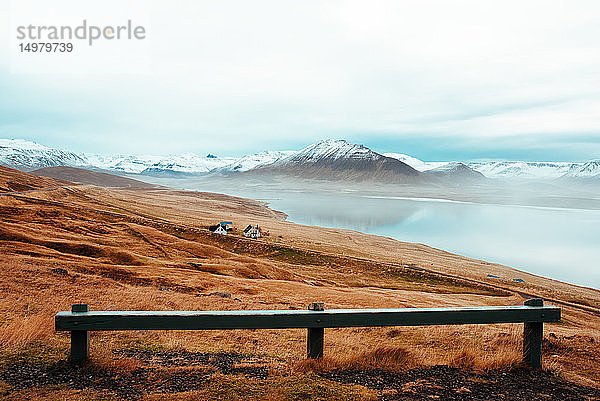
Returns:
<point x="80" y="321"/>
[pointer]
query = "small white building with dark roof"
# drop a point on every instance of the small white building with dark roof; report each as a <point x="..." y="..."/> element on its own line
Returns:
<point x="252" y="231"/>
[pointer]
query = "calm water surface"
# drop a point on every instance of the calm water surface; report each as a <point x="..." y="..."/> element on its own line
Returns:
<point x="563" y="244"/>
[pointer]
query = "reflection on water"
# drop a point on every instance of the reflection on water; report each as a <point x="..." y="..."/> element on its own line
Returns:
<point x="342" y="211"/>
<point x="559" y="243"/>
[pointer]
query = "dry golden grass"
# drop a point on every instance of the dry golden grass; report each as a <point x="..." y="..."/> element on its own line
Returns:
<point x="149" y="250"/>
<point x="477" y="348"/>
<point x="13" y="181"/>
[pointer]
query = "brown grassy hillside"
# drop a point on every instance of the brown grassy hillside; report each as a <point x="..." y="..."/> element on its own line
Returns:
<point x="150" y="250"/>
<point x="13" y="181"/>
<point x="83" y="176"/>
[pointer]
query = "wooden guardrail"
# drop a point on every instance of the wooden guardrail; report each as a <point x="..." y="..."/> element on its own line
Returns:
<point x="80" y="321"/>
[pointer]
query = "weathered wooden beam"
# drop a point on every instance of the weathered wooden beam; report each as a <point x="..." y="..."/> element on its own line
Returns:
<point x="80" y="339"/>
<point x="315" y="336"/>
<point x="287" y="319"/>
<point x="532" y="338"/>
<point x="314" y="343"/>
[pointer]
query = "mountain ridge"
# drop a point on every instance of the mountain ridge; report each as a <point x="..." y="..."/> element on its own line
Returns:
<point x="27" y="156"/>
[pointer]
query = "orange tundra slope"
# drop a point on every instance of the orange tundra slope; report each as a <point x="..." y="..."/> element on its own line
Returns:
<point x="149" y="249"/>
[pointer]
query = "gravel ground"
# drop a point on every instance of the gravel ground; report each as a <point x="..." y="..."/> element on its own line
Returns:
<point x="163" y="372"/>
<point x="447" y="383"/>
<point x="170" y="372"/>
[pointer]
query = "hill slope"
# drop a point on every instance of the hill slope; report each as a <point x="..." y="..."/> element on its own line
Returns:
<point x="12" y="180"/>
<point x="83" y="176"/>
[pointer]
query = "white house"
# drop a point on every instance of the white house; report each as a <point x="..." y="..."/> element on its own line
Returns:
<point x="220" y="230"/>
<point x="252" y="231"/>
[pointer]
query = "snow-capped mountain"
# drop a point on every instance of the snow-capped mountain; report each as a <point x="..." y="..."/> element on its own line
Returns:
<point x="331" y="150"/>
<point x="255" y="160"/>
<point x="189" y="163"/>
<point x="456" y="170"/>
<point x="512" y="169"/>
<point x="590" y="169"/>
<point x="122" y="163"/>
<point x="340" y="160"/>
<point x="26" y="155"/>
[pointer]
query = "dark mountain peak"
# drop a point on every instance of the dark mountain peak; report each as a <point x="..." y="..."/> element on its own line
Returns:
<point x="341" y="160"/>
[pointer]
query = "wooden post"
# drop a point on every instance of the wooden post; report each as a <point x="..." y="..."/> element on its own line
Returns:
<point x="314" y="342"/>
<point x="532" y="338"/>
<point x="80" y="339"/>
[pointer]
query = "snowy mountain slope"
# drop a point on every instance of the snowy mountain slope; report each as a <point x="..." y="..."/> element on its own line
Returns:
<point x="331" y="150"/>
<point x="26" y="155"/>
<point x="512" y="169"/>
<point x="122" y="163"/>
<point x="340" y="160"/>
<point x="590" y="169"/>
<point x="255" y="160"/>
<point x="456" y="170"/>
<point x="415" y="163"/>
<point x="189" y="163"/>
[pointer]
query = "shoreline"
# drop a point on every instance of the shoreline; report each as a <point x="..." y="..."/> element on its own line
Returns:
<point x="458" y="252"/>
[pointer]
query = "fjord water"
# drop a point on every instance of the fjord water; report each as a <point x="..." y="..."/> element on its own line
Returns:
<point x="558" y="243"/>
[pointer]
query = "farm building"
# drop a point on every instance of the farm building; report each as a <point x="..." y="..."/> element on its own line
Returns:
<point x="227" y="225"/>
<point x="218" y="229"/>
<point x="252" y="231"/>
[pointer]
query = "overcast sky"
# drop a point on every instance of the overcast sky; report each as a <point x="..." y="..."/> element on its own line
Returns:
<point x="439" y="80"/>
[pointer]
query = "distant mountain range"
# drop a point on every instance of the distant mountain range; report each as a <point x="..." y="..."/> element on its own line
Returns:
<point x="333" y="159"/>
<point x="513" y="169"/>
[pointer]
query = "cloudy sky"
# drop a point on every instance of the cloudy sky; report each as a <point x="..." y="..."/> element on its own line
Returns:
<point x="439" y="80"/>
